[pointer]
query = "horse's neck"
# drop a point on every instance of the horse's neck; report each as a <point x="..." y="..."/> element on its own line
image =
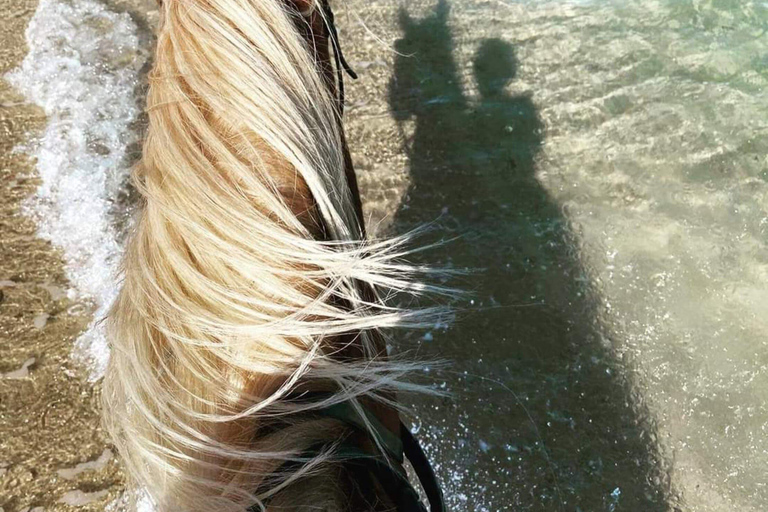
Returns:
<point x="338" y="487"/>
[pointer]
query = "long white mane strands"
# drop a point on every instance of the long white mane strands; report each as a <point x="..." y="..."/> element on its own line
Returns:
<point x="246" y="273"/>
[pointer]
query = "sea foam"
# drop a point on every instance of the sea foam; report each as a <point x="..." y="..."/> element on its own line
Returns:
<point x="83" y="69"/>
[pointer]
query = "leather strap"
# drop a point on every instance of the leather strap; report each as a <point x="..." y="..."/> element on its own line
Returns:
<point x="338" y="56"/>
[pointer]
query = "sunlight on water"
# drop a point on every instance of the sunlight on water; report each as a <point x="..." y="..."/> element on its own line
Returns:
<point x="83" y="70"/>
<point x="605" y="164"/>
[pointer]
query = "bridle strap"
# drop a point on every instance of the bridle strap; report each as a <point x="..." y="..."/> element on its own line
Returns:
<point x="338" y="56"/>
<point x="423" y="469"/>
<point x="392" y="478"/>
<point x="394" y="481"/>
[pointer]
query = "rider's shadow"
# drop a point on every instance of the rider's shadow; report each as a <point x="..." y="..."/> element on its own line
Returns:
<point x="552" y="419"/>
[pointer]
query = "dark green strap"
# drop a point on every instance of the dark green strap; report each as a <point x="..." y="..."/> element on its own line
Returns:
<point x="391" y="478"/>
<point x="344" y="411"/>
<point x="395" y="482"/>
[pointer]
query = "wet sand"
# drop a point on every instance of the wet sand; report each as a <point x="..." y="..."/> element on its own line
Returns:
<point x="49" y="418"/>
<point x="53" y="452"/>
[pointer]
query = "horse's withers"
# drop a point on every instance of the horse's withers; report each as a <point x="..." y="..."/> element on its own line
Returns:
<point x="247" y="281"/>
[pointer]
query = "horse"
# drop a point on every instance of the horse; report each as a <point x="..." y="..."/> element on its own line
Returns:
<point x="248" y="366"/>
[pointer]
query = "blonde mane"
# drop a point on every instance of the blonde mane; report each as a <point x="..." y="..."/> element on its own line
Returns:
<point x="247" y="278"/>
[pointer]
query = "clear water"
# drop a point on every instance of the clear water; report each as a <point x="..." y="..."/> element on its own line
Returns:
<point x="83" y="69"/>
<point x="605" y="166"/>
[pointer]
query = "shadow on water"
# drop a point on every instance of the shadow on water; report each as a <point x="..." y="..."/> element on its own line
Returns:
<point x="569" y="432"/>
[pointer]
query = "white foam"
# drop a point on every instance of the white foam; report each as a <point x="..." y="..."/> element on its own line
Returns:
<point x="83" y="70"/>
<point x="132" y="501"/>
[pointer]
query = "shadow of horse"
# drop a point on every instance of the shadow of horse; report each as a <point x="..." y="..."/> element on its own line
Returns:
<point x="543" y="414"/>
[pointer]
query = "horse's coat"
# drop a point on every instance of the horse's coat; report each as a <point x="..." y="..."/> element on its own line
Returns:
<point x="248" y="281"/>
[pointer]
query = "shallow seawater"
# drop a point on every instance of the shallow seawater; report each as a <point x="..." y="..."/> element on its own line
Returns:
<point x="601" y="170"/>
<point x="604" y="166"/>
<point x="83" y="69"/>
